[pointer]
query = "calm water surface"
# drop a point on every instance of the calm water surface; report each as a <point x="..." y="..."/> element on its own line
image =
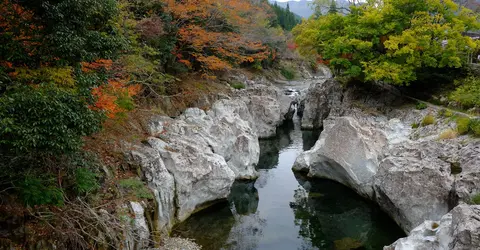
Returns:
<point x="283" y="210"/>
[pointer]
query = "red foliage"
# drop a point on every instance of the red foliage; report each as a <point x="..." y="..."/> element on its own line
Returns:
<point x="207" y="43"/>
<point x="106" y="96"/>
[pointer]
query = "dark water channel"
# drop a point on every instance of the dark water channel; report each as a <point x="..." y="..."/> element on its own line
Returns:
<point x="285" y="210"/>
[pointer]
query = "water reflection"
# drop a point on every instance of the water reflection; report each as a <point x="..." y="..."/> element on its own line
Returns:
<point x="210" y="228"/>
<point x="309" y="137"/>
<point x="244" y="197"/>
<point x="283" y="211"/>
<point x="331" y="216"/>
<point x="270" y="148"/>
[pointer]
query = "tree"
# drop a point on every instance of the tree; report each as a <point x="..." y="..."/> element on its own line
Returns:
<point x="333" y="7"/>
<point x="391" y="40"/>
<point x="214" y="35"/>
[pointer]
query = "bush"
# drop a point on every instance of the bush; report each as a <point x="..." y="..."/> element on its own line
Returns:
<point x="45" y="119"/>
<point x="40" y="190"/>
<point x="463" y="125"/>
<point x="421" y="105"/>
<point x="85" y="181"/>
<point x="475" y="127"/>
<point x="448" y="134"/>
<point x="428" y="120"/>
<point x="287" y="73"/>
<point x="237" y="85"/>
<point x="137" y="187"/>
<point x="415" y="125"/>
<point x="467" y="93"/>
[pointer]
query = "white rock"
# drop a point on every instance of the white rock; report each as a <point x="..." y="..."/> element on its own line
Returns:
<point x="346" y="152"/>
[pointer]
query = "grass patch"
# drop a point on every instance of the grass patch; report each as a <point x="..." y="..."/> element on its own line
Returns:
<point x="448" y="134"/>
<point x="445" y="113"/>
<point x="289" y="74"/>
<point x="463" y="124"/>
<point x="428" y="120"/>
<point x="237" y="85"/>
<point x="136" y="187"/>
<point x="475" y="199"/>
<point x="421" y="105"/>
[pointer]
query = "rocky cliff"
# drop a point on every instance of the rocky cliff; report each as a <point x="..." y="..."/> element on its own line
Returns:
<point x="368" y="144"/>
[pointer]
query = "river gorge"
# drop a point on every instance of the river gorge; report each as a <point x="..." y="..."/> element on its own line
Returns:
<point x="254" y="171"/>
<point x="287" y="210"/>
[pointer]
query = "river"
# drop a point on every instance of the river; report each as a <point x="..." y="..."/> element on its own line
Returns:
<point x="286" y="210"/>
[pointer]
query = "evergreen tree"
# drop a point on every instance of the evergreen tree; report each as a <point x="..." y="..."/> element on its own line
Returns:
<point x="333" y="7"/>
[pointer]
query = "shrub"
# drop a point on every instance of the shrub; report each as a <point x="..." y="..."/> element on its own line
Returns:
<point x="415" y="125"/>
<point x="428" y="120"/>
<point x="238" y="85"/>
<point x="475" y="127"/>
<point x="467" y="93"/>
<point x="40" y="190"/>
<point x="45" y="119"/>
<point x="137" y="187"/>
<point x="463" y="125"/>
<point x="448" y="134"/>
<point x="445" y="113"/>
<point x="287" y="73"/>
<point x="85" y="181"/>
<point x="421" y="105"/>
<point x="476" y="199"/>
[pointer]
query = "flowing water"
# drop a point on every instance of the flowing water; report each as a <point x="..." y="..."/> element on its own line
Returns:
<point x="285" y="210"/>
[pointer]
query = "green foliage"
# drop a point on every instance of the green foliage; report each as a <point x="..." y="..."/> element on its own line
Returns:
<point x="467" y="94"/>
<point x="390" y="41"/>
<point x="40" y="190"/>
<point x="476" y="199"/>
<point x="85" y="181"/>
<point x="237" y="85"/>
<point x="475" y="127"/>
<point x="415" y="125"/>
<point x="289" y="74"/>
<point x="428" y="120"/>
<point x="421" y="105"/>
<point x="136" y="187"/>
<point x="65" y="32"/>
<point x="61" y="76"/>
<point x="445" y="113"/>
<point x="45" y="119"/>
<point x="463" y="125"/>
<point x="284" y="17"/>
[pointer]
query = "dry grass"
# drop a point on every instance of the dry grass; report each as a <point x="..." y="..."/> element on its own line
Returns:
<point x="448" y="134"/>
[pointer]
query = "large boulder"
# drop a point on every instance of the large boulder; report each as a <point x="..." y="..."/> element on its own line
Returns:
<point x="269" y="107"/>
<point x="322" y="96"/>
<point x="457" y="230"/>
<point x="201" y="177"/>
<point x="192" y="161"/>
<point x="414" y="184"/>
<point x="346" y="152"/>
<point x="160" y="181"/>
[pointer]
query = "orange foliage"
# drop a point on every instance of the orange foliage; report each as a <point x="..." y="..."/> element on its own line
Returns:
<point x="98" y="64"/>
<point x="205" y="35"/>
<point x="13" y="20"/>
<point x="106" y="96"/>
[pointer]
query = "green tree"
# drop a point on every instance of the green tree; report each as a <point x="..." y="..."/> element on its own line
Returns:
<point x="391" y="40"/>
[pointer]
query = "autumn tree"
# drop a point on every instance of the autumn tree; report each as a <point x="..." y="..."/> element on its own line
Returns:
<point x="390" y="40"/>
<point x="213" y="35"/>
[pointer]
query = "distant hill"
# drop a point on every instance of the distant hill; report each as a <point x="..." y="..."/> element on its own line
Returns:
<point x="303" y="8"/>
